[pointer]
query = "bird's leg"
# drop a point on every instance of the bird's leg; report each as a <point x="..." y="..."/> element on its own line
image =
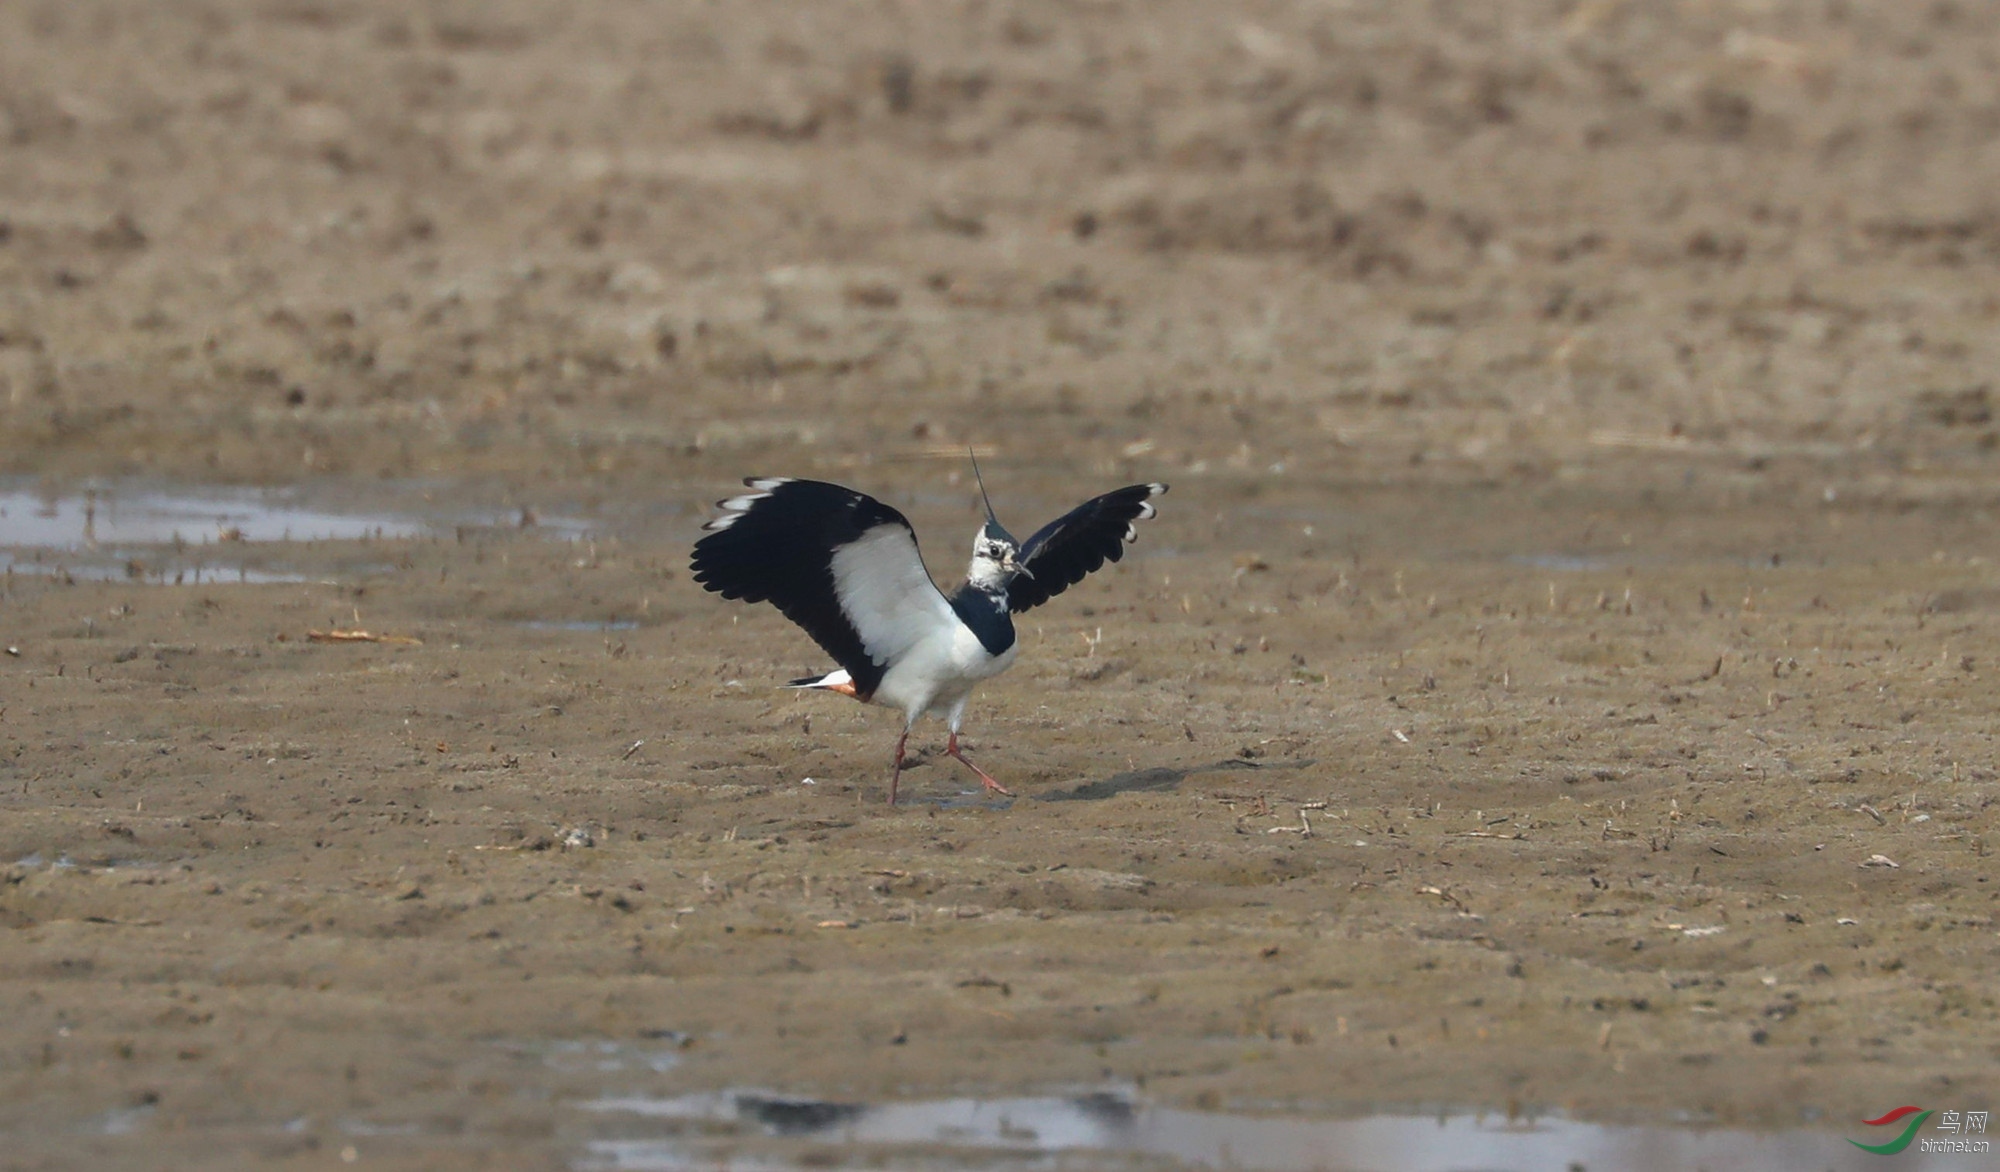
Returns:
<point x="898" y="774"/>
<point x="985" y="779"/>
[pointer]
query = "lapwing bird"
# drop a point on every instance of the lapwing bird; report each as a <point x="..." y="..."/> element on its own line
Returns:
<point x="845" y="568"/>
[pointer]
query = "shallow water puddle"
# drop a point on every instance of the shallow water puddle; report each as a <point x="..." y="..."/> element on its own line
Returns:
<point x="115" y="533"/>
<point x="748" y="1130"/>
<point x="1571" y="563"/>
<point x="195" y="517"/>
<point x="123" y="1120"/>
<point x="84" y="569"/>
<point x="603" y="1056"/>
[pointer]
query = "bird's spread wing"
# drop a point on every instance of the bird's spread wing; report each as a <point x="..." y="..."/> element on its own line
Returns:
<point x="1078" y="542"/>
<point x="840" y="564"/>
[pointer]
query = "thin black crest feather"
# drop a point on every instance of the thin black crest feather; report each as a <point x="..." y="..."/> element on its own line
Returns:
<point x="974" y="457"/>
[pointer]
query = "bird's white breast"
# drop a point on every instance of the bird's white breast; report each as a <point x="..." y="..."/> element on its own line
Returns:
<point x="940" y="670"/>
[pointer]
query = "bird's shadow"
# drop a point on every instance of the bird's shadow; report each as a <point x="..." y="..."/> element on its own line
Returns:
<point x="1158" y="778"/>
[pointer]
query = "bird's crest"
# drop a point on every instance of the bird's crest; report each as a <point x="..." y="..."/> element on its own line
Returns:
<point x="993" y="526"/>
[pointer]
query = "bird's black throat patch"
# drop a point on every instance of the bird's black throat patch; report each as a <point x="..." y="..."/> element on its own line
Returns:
<point x="986" y="613"/>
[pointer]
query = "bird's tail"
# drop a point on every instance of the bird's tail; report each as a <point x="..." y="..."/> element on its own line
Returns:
<point x="833" y="681"/>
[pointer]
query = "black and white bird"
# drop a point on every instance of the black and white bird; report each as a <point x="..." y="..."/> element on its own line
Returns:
<point x="845" y="568"/>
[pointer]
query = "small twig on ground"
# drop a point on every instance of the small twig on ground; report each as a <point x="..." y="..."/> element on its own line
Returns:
<point x="358" y="636"/>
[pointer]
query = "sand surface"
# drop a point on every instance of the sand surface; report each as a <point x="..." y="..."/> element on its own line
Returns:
<point x="1561" y="677"/>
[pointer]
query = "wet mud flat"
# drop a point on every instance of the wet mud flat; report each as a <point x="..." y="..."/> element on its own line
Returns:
<point x="1630" y="807"/>
<point x="1559" y="684"/>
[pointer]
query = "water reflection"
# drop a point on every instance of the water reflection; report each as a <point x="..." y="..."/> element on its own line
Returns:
<point x="756" y="1130"/>
<point x="195" y="517"/>
<point x="203" y="535"/>
<point x="85" y="568"/>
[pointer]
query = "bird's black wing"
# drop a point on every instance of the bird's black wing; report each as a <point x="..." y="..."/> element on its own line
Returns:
<point x="840" y="564"/>
<point x="1078" y="542"/>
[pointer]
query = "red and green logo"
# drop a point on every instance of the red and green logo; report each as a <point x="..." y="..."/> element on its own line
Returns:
<point x="1916" y="1115"/>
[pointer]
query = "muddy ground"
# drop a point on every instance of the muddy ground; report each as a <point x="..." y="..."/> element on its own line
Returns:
<point x="1561" y="676"/>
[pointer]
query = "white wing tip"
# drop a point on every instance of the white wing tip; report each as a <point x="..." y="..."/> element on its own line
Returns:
<point x="736" y="506"/>
<point x="1146" y="510"/>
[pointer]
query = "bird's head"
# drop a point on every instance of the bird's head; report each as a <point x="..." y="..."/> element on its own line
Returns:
<point x="994" y="554"/>
<point x="994" y="550"/>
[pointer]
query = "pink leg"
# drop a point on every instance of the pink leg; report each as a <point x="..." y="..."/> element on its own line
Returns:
<point x="985" y="779"/>
<point x="898" y="774"/>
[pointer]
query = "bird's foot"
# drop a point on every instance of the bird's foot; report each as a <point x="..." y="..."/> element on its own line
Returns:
<point x="985" y="778"/>
<point x="897" y="776"/>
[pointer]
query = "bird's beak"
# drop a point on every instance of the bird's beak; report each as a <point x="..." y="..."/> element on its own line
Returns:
<point x="1016" y="567"/>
